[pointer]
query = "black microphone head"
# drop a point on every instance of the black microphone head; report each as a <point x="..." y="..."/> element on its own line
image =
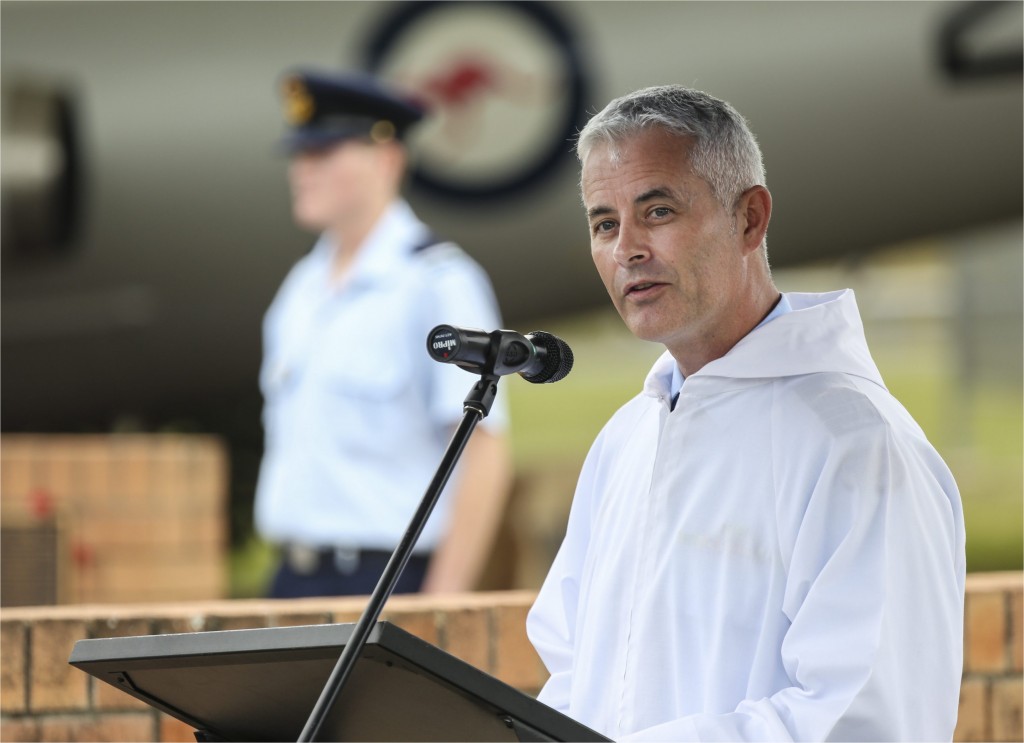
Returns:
<point x="557" y="360"/>
<point x="443" y="343"/>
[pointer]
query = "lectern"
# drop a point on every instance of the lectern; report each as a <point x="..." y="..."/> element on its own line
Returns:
<point x="367" y="681"/>
<point x="260" y="685"/>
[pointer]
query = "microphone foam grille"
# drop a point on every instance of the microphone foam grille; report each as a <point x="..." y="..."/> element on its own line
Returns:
<point x="558" y="362"/>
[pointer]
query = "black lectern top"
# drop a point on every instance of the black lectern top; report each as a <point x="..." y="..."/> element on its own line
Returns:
<point x="261" y="684"/>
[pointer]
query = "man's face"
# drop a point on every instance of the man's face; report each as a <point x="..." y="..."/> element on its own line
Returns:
<point x="331" y="186"/>
<point x="669" y="254"/>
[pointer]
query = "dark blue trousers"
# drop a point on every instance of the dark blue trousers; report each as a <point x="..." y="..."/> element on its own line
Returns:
<point x="327" y="580"/>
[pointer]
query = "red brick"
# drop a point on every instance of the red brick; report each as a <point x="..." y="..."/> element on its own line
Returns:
<point x="1017" y="631"/>
<point x="972" y="719"/>
<point x="342" y="609"/>
<point x="19" y="729"/>
<point x="467" y="636"/>
<point x="106" y="696"/>
<point x="92" y="475"/>
<point x="985" y="624"/>
<point x="113" y="626"/>
<point x="300" y="619"/>
<point x="170" y="466"/>
<point x="419" y="622"/>
<point x="515" y="660"/>
<point x="198" y="622"/>
<point x="173" y="730"/>
<point x="13" y="671"/>
<point x="208" y="467"/>
<point x="1003" y="580"/>
<point x="143" y="533"/>
<point x="52" y="471"/>
<point x="1007" y="709"/>
<point x="112" y="726"/>
<point x="131" y="471"/>
<point x="246" y="621"/>
<point x="346" y="616"/>
<point x="16" y="477"/>
<point x="55" y="685"/>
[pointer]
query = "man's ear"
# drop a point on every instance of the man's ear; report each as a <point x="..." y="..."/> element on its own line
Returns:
<point x="394" y="154"/>
<point x="754" y="211"/>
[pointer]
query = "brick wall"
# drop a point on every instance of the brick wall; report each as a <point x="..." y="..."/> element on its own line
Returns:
<point x="116" y="519"/>
<point x="42" y="698"/>
<point x="992" y="691"/>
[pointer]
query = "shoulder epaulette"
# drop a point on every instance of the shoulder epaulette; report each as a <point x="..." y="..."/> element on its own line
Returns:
<point x="429" y="241"/>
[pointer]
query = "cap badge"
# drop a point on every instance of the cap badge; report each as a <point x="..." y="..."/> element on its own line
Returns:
<point x="382" y="131"/>
<point x="298" y="103"/>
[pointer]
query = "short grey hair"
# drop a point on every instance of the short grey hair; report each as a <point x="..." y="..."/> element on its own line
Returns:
<point x="725" y="153"/>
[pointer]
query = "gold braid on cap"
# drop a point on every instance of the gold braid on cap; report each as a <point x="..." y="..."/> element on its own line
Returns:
<point x="298" y="103"/>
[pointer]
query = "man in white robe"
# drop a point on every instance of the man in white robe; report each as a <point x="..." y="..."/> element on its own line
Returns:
<point x="763" y="545"/>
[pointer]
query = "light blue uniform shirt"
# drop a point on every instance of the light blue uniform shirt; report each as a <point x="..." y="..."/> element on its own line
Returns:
<point x="780" y="309"/>
<point x="357" y="415"/>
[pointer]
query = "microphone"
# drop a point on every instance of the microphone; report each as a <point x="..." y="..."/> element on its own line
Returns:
<point x="537" y="357"/>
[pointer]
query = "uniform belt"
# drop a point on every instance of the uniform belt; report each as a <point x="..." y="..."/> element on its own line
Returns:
<point x="306" y="560"/>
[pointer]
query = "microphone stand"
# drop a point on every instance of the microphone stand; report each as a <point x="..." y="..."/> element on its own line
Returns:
<point x="476" y="407"/>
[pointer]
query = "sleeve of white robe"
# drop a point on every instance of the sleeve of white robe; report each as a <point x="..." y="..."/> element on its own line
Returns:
<point x="874" y="595"/>
<point x="552" y="621"/>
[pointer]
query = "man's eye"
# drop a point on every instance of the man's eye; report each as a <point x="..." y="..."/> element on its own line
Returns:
<point x="604" y="225"/>
<point x="660" y="211"/>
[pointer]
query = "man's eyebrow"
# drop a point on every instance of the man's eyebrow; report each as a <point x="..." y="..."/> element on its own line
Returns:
<point x="659" y="192"/>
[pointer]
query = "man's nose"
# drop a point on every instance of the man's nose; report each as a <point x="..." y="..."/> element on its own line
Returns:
<point x="632" y="245"/>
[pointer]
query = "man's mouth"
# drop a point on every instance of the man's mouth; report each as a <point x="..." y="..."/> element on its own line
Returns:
<point x="641" y="288"/>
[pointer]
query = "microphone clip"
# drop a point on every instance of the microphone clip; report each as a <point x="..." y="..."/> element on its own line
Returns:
<point x="481" y="396"/>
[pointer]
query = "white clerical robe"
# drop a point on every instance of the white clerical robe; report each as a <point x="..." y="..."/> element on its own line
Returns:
<point x="778" y="557"/>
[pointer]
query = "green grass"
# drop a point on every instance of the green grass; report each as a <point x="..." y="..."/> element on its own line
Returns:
<point x="992" y="483"/>
<point x="979" y="431"/>
<point x="251" y="568"/>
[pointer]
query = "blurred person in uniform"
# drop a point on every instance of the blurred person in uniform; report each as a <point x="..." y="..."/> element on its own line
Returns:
<point x="356" y="414"/>
<point x="763" y="545"/>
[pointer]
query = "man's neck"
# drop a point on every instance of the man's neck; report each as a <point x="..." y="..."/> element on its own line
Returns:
<point x="349" y="237"/>
<point x="693" y="354"/>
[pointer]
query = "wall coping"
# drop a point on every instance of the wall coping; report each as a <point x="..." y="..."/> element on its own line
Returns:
<point x="1011" y="582"/>
<point x="248" y="607"/>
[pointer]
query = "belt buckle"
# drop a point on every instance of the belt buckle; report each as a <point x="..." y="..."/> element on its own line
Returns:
<point x="302" y="559"/>
<point x="346" y="560"/>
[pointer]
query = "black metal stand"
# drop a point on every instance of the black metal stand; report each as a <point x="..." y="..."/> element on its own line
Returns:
<point x="476" y="407"/>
